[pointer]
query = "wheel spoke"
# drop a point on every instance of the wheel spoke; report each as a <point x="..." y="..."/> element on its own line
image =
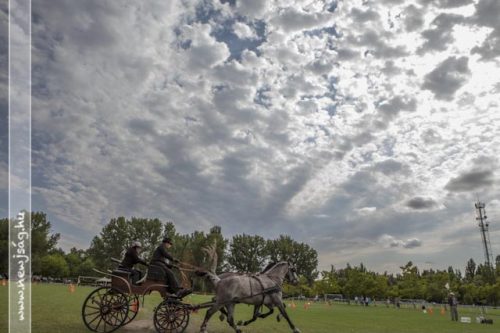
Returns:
<point x="92" y="313"/>
<point x="90" y="322"/>
<point x="99" y="323"/>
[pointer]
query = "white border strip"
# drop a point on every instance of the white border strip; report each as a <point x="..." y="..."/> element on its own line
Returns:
<point x="19" y="57"/>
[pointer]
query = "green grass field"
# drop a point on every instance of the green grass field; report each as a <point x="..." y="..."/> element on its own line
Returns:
<point x="56" y="310"/>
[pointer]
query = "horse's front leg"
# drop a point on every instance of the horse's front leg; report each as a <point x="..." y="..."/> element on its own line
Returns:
<point x="254" y="317"/>
<point x="281" y="307"/>
<point x="264" y="315"/>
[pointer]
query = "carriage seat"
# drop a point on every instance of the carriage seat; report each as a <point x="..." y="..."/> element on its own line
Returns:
<point x="121" y="273"/>
<point x="126" y="275"/>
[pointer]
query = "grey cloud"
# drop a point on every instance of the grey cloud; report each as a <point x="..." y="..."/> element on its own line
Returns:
<point x="487" y="14"/>
<point x="251" y="8"/>
<point x="376" y="45"/>
<point x="412" y="243"/>
<point x="391" y="108"/>
<point x="207" y="55"/>
<point x="447" y="77"/>
<point x="447" y="3"/>
<point x="393" y="242"/>
<point x="292" y="20"/>
<point x="438" y="38"/>
<point x="389" y="167"/>
<point x="346" y="54"/>
<point x="364" y="16"/>
<point x="390" y="68"/>
<point x="362" y="138"/>
<point x="431" y="136"/>
<point x="421" y="203"/>
<point x="490" y="48"/>
<point x="320" y="67"/>
<point x="414" y="18"/>
<point x="470" y="181"/>
<point x="141" y="126"/>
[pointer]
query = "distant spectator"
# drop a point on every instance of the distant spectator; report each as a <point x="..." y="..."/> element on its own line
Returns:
<point x="453" y="303"/>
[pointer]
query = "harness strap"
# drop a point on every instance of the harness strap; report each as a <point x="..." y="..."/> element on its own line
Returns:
<point x="265" y="291"/>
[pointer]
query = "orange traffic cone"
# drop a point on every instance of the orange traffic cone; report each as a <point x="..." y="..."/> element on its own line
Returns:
<point x="4" y="282"/>
<point x="134" y="306"/>
<point x="71" y="288"/>
<point x="431" y="311"/>
<point x="443" y="311"/>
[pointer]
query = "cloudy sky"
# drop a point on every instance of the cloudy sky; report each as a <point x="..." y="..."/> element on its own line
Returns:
<point x="365" y="128"/>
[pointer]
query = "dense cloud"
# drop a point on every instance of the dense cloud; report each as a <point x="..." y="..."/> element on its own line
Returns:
<point x="447" y="77"/>
<point x="421" y="203"/>
<point x="390" y="241"/>
<point x="338" y="122"/>
<point x="470" y="181"/>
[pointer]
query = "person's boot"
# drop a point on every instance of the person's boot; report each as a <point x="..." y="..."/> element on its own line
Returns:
<point x="183" y="292"/>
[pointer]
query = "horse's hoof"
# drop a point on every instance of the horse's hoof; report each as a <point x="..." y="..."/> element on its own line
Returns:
<point x="222" y="317"/>
<point x="238" y="331"/>
<point x="296" y="330"/>
<point x="278" y="318"/>
<point x="239" y="323"/>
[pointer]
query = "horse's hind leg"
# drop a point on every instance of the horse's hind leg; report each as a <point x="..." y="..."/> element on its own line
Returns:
<point x="210" y="313"/>
<point x="223" y="314"/>
<point x="256" y="315"/>
<point x="281" y="307"/>
<point x="230" y="317"/>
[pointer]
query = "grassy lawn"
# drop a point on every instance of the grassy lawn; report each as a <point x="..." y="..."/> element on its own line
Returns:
<point x="56" y="310"/>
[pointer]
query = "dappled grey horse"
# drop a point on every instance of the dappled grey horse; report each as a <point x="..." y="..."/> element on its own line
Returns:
<point x="257" y="307"/>
<point x="262" y="289"/>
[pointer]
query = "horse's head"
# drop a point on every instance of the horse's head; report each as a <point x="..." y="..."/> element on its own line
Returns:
<point x="291" y="275"/>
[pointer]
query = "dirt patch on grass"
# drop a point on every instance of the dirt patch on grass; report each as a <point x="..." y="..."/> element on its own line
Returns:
<point x="147" y="326"/>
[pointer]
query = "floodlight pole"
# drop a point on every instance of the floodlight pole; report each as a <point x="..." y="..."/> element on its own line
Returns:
<point x="483" y="226"/>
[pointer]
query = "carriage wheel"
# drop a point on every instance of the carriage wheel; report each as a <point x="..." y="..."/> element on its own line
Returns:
<point x="171" y="316"/>
<point x="133" y="309"/>
<point x="105" y="310"/>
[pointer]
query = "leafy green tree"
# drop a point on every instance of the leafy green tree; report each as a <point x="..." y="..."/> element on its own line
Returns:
<point x="328" y="284"/>
<point x="409" y="284"/>
<point x="118" y="235"/>
<point x="54" y="265"/>
<point x="43" y="241"/>
<point x="247" y="253"/>
<point x="470" y="270"/>
<point x="302" y="255"/>
<point x="74" y="259"/>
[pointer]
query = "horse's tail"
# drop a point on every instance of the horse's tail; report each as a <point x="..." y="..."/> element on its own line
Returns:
<point x="210" y="276"/>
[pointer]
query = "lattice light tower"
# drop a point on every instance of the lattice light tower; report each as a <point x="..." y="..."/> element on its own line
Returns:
<point x="485" y="235"/>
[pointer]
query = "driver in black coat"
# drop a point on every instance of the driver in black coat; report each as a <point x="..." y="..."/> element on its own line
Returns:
<point x="160" y="268"/>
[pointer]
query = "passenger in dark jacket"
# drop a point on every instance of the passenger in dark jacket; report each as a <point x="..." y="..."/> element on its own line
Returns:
<point x="160" y="268"/>
<point x="132" y="258"/>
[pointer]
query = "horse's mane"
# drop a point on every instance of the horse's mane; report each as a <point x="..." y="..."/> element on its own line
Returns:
<point x="269" y="266"/>
<point x="272" y="266"/>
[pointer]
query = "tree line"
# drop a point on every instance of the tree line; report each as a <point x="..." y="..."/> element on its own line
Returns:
<point x="242" y="253"/>
<point x="479" y="284"/>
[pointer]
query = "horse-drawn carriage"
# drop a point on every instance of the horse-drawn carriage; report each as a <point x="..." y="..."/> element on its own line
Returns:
<point x="108" y="308"/>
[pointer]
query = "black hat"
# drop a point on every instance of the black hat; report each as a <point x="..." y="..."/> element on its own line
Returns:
<point x="167" y="240"/>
